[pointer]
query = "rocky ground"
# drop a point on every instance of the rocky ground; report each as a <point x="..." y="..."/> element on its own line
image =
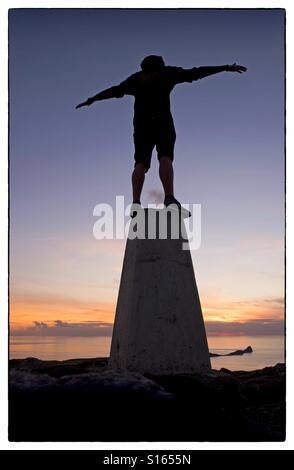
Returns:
<point x="84" y="400"/>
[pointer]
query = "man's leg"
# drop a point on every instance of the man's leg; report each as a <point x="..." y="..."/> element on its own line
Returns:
<point x="138" y="178"/>
<point x="166" y="174"/>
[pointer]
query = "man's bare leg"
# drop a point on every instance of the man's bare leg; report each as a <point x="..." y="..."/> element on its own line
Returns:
<point x="138" y="178"/>
<point x="166" y="174"/>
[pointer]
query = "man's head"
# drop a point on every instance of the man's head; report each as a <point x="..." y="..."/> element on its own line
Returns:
<point x="151" y="63"/>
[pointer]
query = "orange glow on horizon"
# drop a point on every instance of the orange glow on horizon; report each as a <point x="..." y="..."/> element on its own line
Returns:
<point x="24" y="311"/>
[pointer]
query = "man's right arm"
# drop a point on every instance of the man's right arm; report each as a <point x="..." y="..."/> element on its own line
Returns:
<point x="181" y="75"/>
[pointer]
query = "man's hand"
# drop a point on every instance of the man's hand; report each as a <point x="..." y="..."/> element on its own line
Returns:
<point x="88" y="102"/>
<point x="237" y="68"/>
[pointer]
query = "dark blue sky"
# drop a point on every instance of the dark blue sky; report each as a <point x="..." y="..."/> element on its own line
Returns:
<point x="229" y="153"/>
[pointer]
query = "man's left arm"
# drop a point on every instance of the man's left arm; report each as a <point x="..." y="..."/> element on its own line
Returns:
<point x="116" y="91"/>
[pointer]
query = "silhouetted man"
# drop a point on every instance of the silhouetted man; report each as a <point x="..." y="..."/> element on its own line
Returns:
<point x="153" y="121"/>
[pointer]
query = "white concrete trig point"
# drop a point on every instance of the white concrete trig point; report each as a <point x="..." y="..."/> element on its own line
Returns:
<point x="158" y="326"/>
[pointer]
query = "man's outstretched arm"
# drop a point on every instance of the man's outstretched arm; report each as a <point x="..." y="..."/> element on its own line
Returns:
<point x="196" y="73"/>
<point x="112" y="92"/>
<point x="201" y="72"/>
<point x="117" y="91"/>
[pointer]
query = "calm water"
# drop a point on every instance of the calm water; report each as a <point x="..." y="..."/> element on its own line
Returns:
<point x="267" y="350"/>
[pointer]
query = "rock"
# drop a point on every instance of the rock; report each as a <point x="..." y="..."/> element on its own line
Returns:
<point x="85" y="400"/>
<point x="238" y="352"/>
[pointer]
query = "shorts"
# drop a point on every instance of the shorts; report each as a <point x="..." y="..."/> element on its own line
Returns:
<point x="157" y="131"/>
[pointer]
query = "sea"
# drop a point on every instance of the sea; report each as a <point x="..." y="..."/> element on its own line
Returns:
<point x="267" y="350"/>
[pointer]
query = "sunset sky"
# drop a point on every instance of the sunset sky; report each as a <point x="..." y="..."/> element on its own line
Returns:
<point x="229" y="157"/>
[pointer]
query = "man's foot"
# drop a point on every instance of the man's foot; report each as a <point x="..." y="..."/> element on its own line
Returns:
<point x="135" y="207"/>
<point x="173" y="203"/>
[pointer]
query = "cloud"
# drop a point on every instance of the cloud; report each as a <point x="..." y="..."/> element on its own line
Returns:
<point x="155" y="196"/>
<point x="259" y="327"/>
<point x="262" y="327"/>
<point x="40" y="324"/>
<point x="280" y="301"/>
<point x="61" y="328"/>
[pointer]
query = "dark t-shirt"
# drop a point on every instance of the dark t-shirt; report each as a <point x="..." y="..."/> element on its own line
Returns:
<point x="152" y="90"/>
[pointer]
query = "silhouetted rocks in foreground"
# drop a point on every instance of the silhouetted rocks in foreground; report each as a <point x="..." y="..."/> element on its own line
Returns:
<point x="84" y="400"/>
<point x="238" y="352"/>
